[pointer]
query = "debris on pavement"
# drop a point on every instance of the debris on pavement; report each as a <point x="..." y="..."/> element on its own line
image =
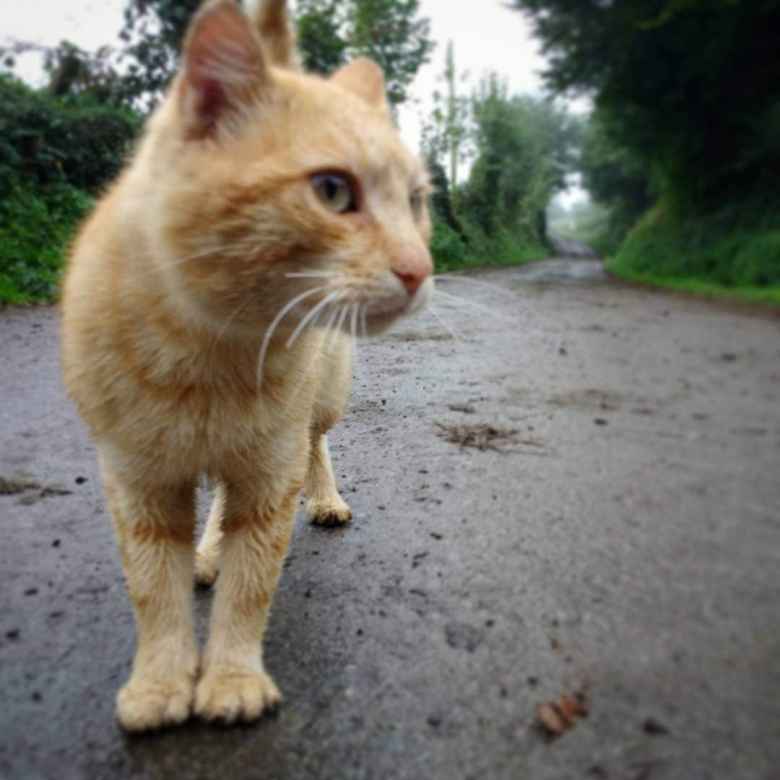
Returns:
<point x="558" y="717"/>
<point x="484" y="437"/>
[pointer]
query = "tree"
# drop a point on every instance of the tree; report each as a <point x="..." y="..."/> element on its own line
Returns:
<point x="524" y="149"/>
<point x="320" y="39"/>
<point x="689" y="86"/>
<point x="153" y="33"/>
<point x="391" y="34"/>
<point x="330" y="33"/>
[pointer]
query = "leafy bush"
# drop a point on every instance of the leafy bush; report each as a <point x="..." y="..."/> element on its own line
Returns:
<point x="447" y="247"/>
<point x="74" y="139"/>
<point x="36" y="227"/>
<point x="53" y="152"/>
<point x="735" y="249"/>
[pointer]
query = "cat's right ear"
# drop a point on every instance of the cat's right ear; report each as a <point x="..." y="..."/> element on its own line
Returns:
<point x="223" y="68"/>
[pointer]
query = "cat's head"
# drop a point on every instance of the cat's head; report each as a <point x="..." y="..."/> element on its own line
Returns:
<point x="272" y="185"/>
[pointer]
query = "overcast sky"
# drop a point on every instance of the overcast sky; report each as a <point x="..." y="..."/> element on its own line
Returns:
<point x="486" y="34"/>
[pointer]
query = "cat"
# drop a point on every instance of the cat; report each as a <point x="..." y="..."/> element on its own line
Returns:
<point x="209" y="307"/>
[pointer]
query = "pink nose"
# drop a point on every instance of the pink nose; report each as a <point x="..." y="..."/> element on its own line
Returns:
<point x="413" y="268"/>
<point x="411" y="282"/>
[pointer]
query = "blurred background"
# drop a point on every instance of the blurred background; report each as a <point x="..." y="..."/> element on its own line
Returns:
<point x="647" y="130"/>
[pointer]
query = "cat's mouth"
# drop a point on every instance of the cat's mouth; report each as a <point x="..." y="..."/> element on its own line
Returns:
<point x="380" y="315"/>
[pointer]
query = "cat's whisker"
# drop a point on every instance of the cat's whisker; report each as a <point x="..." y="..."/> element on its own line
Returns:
<point x="329" y="324"/>
<point x="275" y="324"/>
<point x="312" y="316"/>
<point x="478" y="282"/>
<point x="457" y="300"/>
<point x="444" y="325"/>
<point x="354" y="321"/>
<point x="339" y="325"/>
<point x="364" y="320"/>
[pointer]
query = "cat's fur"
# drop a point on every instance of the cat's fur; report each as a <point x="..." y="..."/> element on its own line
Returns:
<point x="172" y="286"/>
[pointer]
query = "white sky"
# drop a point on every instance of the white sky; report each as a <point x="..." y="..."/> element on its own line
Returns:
<point x="487" y="36"/>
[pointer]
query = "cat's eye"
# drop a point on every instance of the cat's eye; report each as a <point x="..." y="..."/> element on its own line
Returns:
<point x="336" y="192"/>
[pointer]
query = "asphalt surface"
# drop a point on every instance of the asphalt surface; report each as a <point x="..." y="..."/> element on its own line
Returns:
<point x="618" y="538"/>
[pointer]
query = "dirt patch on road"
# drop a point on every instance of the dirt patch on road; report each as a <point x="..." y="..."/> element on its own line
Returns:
<point x="587" y="399"/>
<point x="30" y="490"/>
<point x="486" y="437"/>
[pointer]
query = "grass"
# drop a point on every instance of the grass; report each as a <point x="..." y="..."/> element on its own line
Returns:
<point x="35" y="230"/>
<point x="734" y="254"/>
<point x="746" y="293"/>
<point x="451" y="253"/>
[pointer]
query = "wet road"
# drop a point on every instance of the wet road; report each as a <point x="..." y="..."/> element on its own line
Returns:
<point x="619" y="537"/>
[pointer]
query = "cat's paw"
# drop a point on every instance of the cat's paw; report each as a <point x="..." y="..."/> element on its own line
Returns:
<point x="228" y="695"/>
<point x="206" y="569"/>
<point x="329" y="514"/>
<point x="144" y="705"/>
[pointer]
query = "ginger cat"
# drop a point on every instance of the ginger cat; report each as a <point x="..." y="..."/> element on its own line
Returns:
<point x="208" y="314"/>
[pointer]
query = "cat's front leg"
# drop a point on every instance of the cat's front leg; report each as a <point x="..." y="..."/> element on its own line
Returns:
<point x="155" y="526"/>
<point x="256" y="534"/>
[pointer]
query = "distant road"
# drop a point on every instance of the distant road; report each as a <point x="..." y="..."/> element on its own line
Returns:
<point x="566" y="247"/>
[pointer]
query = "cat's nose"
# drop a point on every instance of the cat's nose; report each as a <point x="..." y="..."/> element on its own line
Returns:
<point x="413" y="268"/>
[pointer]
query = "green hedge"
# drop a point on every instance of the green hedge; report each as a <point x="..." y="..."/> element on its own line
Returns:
<point x="36" y="226"/>
<point x="55" y="154"/>
<point x="452" y="252"/>
<point x="44" y="140"/>
<point x="735" y="250"/>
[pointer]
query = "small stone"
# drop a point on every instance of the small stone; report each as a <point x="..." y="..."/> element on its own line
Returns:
<point x="654" y="728"/>
<point x="56" y="543"/>
<point x="601" y="421"/>
<point x="80" y="480"/>
<point x="12" y="634"/>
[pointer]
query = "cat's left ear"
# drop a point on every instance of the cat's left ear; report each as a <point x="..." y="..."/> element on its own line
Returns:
<point x="272" y="20"/>
<point x="224" y="68"/>
<point x="364" y="78"/>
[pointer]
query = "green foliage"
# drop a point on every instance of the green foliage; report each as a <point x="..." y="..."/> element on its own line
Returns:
<point x="446" y="130"/>
<point x="688" y="111"/>
<point x="691" y="87"/>
<point x="734" y="248"/>
<point x="523" y="152"/>
<point x="36" y="226"/>
<point x="320" y="40"/>
<point x="448" y="248"/>
<point x="44" y="139"/>
<point x="153" y="33"/>
<point x="330" y="33"/>
<point x="391" y="33"/>
<point x="53" y="151"/>
<point x="451" y="252"/>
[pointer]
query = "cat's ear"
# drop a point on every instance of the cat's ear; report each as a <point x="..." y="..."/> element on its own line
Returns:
<point x="365" y="78"/>
<point x="224" y="69"/>
<point x="272" y="20"/>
